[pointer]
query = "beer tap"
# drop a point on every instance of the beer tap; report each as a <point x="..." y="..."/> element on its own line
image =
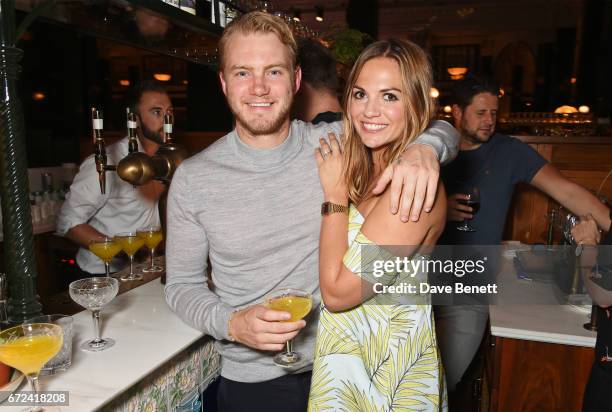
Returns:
<point x="138" y="168"/>
<point x="132" y="125"/>
<point x="100" y="148"/>
<point x="170" y="155"/>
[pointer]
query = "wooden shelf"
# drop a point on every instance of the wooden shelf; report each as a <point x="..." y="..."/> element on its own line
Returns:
<point x="146" y="24"/>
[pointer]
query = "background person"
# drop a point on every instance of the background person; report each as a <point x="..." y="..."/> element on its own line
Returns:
<point x="317" y="98"/>
<point x="88" y="214"/>
<point x="494" y="163"/>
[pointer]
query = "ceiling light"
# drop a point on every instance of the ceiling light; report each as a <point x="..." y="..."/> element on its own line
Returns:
<point x="447" y="109"/>
<point x="319" y="11"/>
<point x="565" y="109"/>
<point x="162" y="77"/>
<point x="584" y="109"/>
<point x="124" y="83"/>
<point x="435" y="93"/>
<point x="457" y="73"/>
<point x="297" y="15"/>
<point x="38" y="96"/>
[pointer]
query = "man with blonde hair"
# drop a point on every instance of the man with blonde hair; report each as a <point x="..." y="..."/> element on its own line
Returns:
<point x="250" y="202"/>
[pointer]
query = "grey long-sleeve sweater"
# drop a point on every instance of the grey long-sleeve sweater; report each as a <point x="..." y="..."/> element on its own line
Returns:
<point x="256" y="214"/>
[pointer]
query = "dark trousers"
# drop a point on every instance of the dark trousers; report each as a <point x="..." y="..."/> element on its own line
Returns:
<point x="597" y="392"/>
<point x="287" y="394"/>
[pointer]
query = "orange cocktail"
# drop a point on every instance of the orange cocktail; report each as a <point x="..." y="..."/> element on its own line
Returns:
<point x="298" y="304"/>
<point x="30" y="353"/>
<point x="130" y="243"/>
<point x="28" y="347"/>
<point x="106" y="248"/>
<point x="152" y="236"/>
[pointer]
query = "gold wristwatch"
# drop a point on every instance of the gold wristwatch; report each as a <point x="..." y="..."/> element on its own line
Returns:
<point x="327" y="208"/>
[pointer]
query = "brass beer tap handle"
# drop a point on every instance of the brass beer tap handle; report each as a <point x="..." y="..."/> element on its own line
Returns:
<point x="169" y="155"/>
<point x="138" y="169"/>
<point x="100" y="148"/>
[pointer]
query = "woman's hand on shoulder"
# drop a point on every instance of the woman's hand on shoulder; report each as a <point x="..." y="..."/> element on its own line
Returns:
<point x="329" y="162"/>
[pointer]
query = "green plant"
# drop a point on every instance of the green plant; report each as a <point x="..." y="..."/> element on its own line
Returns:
<point x="346" y="44"/>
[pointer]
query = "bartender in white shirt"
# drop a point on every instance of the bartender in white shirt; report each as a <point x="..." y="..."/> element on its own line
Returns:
<point x="87" y="214"/>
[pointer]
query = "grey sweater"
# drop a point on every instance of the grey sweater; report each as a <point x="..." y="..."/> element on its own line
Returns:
<point x="256" y="215"/>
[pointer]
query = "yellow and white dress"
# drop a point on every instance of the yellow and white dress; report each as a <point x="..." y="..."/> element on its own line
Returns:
<point x="376" y="357"/>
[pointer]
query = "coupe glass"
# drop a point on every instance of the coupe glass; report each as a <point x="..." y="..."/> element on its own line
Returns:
<point x="298" y="303"/>
<point x="130" y="242"/>
<point x="106" y="248"/>
<point x="152" y="236"/>
<point x="28" y="347"/>
<point x="94" y="294"/>
<point x="473" y="201"/>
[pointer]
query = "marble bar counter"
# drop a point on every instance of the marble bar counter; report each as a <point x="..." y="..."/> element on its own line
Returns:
<point x="537" y="357"/>
<point x="157" y="363"/>
<point x="548" y="321"/>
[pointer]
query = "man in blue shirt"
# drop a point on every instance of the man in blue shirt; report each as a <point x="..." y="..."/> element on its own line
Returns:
<point x="493" y="163"/>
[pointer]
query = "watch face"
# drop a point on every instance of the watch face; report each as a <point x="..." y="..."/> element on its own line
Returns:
<point x="325" y="208"/>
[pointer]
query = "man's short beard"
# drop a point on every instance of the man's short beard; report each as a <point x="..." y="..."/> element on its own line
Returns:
<point x="155" y="136"/>
<point x="265" y="128"/>
<point x="473" y="137"/>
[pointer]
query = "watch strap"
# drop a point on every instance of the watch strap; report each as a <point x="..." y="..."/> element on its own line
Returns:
<point x="329" y="208"/>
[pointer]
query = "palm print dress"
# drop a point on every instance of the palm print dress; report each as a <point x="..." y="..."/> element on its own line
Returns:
<point x="376" y="356"/>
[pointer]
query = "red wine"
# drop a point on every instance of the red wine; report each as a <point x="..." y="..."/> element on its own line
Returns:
<point x="474" y="204"/>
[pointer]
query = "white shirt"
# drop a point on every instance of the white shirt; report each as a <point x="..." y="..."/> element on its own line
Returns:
<point x="124" y="208"/>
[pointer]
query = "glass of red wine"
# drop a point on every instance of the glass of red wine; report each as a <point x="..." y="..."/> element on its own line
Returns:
<point x="472" y="200"/>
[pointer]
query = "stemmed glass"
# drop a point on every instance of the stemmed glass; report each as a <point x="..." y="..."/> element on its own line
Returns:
<point x="106" y="248"/>
<point x="298" y="303"/>
<point x="28" y="347"/>
<point x="152" y="236"/>
<point x="572" y="220"/>
<point x="473" y="201"/>
<point x="130" y="242"/>
<point x="94" y="294"/>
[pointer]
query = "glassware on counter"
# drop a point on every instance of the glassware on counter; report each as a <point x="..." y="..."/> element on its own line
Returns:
<point x="152" y="236"/>
<point x="106" y="248"/>
<point x="130" y="243"/>
<point x="94" y="294"/>
<point x="28" y="347"/>
<point x="63" y="359"/>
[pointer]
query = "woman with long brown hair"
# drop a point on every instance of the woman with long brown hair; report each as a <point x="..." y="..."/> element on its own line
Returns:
<point x="373" y="352"/>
